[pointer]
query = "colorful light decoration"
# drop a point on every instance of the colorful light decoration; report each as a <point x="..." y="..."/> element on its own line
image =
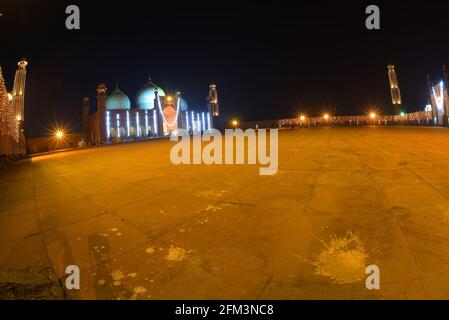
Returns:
<point x="8" y="125"/>
<point x="170" y="125"/>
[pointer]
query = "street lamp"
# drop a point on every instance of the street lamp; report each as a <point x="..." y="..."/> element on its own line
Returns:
<point x="235" y="123"/>
<point x="302" y="117"/>
<point x="59" y="134"/>
<point x="372" y="115"/>
<point x="326" y="116"/>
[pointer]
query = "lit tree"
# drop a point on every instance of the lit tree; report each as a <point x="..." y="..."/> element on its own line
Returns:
<point x="9" y="131"/>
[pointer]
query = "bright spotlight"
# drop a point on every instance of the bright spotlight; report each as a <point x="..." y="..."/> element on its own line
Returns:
<point x="372" y="115"/>
<point x="302" y="117"/>
<point x="326" y="116"/>
<point x="235" y="123"/>
<point x="59" y="134"/>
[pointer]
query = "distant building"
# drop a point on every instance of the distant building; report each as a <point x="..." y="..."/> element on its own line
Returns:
<point x="394" y="88"/>
<point x="154" y="114"/>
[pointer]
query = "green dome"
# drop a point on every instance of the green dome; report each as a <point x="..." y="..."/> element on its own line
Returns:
<point x="145" y="96"/>
<point x="118" y="100"/>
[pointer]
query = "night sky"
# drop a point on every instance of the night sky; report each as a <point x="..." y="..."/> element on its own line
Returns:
<point x="269" y="59"/>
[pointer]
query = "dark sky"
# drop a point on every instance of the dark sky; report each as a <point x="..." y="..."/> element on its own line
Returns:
<point x="269" y="59"/>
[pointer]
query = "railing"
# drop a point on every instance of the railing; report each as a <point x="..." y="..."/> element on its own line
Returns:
<point x="423" y="118"/>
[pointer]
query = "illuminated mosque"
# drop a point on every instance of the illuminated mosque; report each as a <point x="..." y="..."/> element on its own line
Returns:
<point x="156" y="113"/>
<point x="439" y="99"/>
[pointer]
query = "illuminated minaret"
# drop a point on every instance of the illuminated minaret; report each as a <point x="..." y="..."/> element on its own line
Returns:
<point x="394" y="87"/>
<point x="101" y="134"/>
<point x="18" y="91"/>
<point x="213" y="100"/>
<point x="179" y="112"/>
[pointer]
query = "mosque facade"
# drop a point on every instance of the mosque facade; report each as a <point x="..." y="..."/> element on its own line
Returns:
<point x="155" y="113"/>
<point x="439" y="99"/>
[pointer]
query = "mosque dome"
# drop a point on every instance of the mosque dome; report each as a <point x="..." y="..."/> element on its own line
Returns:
<point x="145" y="96"/>
<point x="118" y="100"/>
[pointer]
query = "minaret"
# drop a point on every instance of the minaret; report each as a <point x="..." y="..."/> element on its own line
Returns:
<point x="179" y="115"/>
<point x="394" y="87"/>
<point x="18" y="91"/>
<point x="212" y="101"/>
<point x="85" y="109"/>
<point x="101" y="113"/>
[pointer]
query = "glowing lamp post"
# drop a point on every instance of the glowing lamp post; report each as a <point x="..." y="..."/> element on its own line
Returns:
<point x="59" y="134"/>
<point x="326" y="117"/>
<point x="235" y="123"/>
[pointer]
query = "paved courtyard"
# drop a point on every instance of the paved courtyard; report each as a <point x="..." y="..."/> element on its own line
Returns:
<point x="141" y="228"/>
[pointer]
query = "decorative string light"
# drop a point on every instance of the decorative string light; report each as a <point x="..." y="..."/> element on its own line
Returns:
<point x="9" y="127"/>
<point x="163" y="116"/>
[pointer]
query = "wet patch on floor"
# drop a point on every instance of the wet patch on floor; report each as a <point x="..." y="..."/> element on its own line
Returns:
<point x="343" y="259"/>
